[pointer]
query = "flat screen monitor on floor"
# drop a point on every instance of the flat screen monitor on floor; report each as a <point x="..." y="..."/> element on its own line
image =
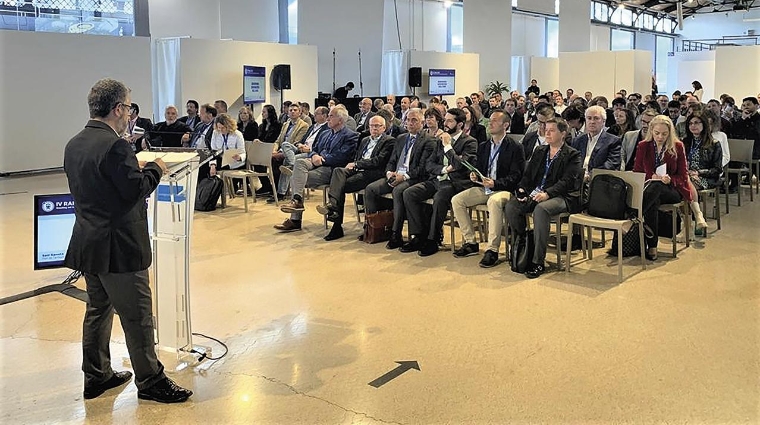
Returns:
<point x="441" y="82"/>
<point x="53" y="223"/>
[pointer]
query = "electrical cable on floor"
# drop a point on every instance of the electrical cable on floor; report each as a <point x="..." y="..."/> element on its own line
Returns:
<point x="203" y="355"/>
<point x="71" y="278"/>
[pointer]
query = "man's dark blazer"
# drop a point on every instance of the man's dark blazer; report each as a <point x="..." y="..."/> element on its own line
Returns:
<point x="422" y="149"/>
<point x="185" y="118"/>
<point x="510" y="163"/>
<point x="380" y="155"/>
<point x="517" y="125"/>
<point x="111" y="229"/>
<point x="529" y="143"/>
<point x="365" y="126"/>
<point x="394" y="131"/>
<point x="564" y="178"/>
<point x="478" y="132"/>
<point x="320" y="131"/>
<point x="464" y="149"/>
<point x="606" y="154"/>
<point x="335" y="149"/>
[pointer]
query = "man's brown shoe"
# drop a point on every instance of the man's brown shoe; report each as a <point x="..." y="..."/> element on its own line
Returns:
<point x="288" y="226"/>
<point x="294" y="205"/>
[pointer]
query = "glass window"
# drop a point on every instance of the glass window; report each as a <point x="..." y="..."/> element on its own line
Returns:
<point x="663" y="48"/>
<point x="455" y="36"/>
<point x="514" y="3"/>
<point x="292" y="21"/>
<point x="616" y="17"/>
<point x="552" y="38"/>
<point x="648" y="22"/>
<point x="101" y="17"/>
<point x="600" y="12"/>
<point x="621" y="40"/>
<point x="626" y="17"/>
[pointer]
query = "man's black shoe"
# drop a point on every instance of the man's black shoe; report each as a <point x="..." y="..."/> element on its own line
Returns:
<point x="428" y="248"/>
<point x="118" y="379"/>
<point x="414" y="245"/>
<point x="165" y="391"/>
<point x="467" y="250"/>
<point x="395" y="242"/>
<point x="335" y="233"/>
<point x="535" y="271"/>
<point x="329" y="212"/>
<point x="490" y="259"/>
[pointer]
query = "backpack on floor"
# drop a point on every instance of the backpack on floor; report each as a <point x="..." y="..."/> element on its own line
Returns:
<point x="209" y="190"/>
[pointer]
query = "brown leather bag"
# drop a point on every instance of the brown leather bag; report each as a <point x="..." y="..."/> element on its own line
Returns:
<point x="378" y="227"/>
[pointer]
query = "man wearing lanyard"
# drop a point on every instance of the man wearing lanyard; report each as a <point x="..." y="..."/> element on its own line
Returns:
<point x="448" y="176"/>
<point x="549" y="186"/>
<point x="368" y="165"/>
<point x="501" y="162"/>
<point x="405" y="168"/>
<point x="293" y="131"/>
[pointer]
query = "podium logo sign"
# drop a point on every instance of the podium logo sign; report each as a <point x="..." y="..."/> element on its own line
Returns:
<point x="164" y="193"/>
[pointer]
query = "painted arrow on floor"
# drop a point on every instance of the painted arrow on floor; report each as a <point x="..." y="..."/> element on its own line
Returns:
<point x="395" y="373"/>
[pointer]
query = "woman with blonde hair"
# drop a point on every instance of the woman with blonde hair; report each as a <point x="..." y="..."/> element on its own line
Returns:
<point x="662" y="157"/>
<point x="247" y="125"/>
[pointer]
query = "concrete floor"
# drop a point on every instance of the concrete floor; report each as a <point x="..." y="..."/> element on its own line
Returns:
<point x="309" y="324"/>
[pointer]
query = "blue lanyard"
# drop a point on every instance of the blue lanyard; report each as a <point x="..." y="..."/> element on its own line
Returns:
<point x="494" y="155"/>
<point x="366" y="148"/>
<point x="547" y="166"/>
<point x="658" y="157"/>
<point x="225" y="137"/>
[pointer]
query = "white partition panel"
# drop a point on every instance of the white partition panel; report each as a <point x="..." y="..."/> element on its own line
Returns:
<point x="43" y="91"/>
<point x="685" y="67"/>
<point x="633" y="71"/>
<point x="467" y="66"/>
<point x="736" y="71"/>
<point x="588" y="71"/>
<point x="546" y="72"/>
<point x="213" y="69"/>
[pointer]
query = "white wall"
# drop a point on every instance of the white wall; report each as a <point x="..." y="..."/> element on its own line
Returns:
<point x="717" y="25"/>
<point x="574" y="26"/>
<point x="546" y="72"/>
<point x="738" y="81"/>
<point x="467" y="66"/>
<point x="685" y="67"/>
<point x="646" y="41"/>
<point x="588" y="71"/>
<point x="528" y="35"/>
<point x="480" y="18"/>
<point x="600" y="38"/>
<point x="250" y="20"/>
<point x="179" y="18"/>
<point x="224" y="80"/>
<point x="347" y="27"/>
<point x="43" y="96"/>
<point x="633" y="71"/>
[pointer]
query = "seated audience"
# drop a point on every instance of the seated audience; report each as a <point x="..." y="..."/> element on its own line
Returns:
<point x="549" y="186"/>
<point x="226" y="137"/>
<point x="368" y="165"/>
<point x="724" y="125"/>
<point x="598" y="148"/>
<point x="576" y="120"/>
<point x="285" y="149"/>
<point x="472" y="127"/>
<point x="334" y="148"/>
<point x="624" y="122"/>
<point x="534" y="139"/>
<point x="168" y="134"/>
<point x="718" y="135"/>
<point x="270" y="127"/>
<point x="134" y="136"/>
<point x="669" y="187"/>
<point x="433" y="123"/>
<point x="221" y="106"/>
<point x="632" y="138"/>
<point x="501" y="161"/>
<point x="364" y="114"/>
<point x="448" y="176"/>
<point x="247" y="125"/>
<point x="406" y="167"/>
<point x="704" y="157"/>
<point x="191" y="119"/>
<point x="516" y="118"/>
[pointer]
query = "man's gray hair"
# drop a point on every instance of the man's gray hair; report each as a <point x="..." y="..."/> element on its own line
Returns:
<point x="596" y="109"/>
<point x="342" y="114"/>
<point x="171" y="107"/>
<point x="105" y="95"/>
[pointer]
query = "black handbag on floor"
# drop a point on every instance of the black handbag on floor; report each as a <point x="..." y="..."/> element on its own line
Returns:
<point x="521" y="252"/>
<point x="631" y="245"/>
<point x="208" y="192"/>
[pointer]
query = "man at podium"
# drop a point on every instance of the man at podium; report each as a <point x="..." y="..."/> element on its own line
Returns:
<point x="111" y="247"/>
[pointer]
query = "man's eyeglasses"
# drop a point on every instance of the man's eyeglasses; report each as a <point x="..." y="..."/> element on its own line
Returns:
<point x="126" y="105"/>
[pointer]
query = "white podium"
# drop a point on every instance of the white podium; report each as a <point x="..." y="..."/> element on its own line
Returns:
<point x="170" y="222"/>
